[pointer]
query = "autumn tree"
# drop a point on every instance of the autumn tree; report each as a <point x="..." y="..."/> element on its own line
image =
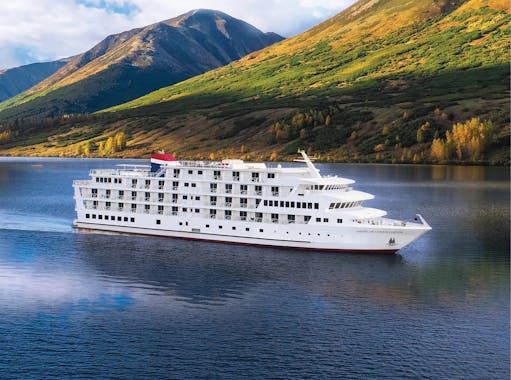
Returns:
<point x="120" y="141"/>
<point x="466" y="140"/>
<point x="438" y="149"/>
<point x="5" y="136"/>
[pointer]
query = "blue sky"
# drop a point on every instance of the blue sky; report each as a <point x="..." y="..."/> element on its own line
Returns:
<point x="45" y="30"/>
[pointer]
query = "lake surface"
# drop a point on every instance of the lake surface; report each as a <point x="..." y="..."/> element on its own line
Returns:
<point x="80" y="305"/>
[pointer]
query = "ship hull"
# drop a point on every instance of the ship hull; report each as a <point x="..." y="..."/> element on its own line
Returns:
<point x="358" y="240"/>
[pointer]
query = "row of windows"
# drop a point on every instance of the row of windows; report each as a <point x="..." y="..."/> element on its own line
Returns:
<point x="325" y="187"/>
<point x="108" y="180"/>
<point x="110" y="217"/>
<point x="345" y="205"/>
<point x="308" y="205"/>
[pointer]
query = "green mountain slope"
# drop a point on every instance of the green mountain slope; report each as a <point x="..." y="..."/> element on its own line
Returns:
<point x="130" y="64"/>
<point x="377" y="82"/>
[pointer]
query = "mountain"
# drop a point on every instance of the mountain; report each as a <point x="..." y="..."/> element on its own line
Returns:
<point x="377" y="82"/>
<point x="18" y="79"/>
<point x="130" y="64"/>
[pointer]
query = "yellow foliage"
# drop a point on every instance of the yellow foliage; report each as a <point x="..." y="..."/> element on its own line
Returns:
<point x="467" y="140"/>
<point x="438" y="149"/>
<point x="274" y="155"/>
<point x="5" y="136"/>
<point x="379" y="148"/>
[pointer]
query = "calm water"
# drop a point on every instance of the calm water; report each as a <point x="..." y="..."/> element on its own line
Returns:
<point x="76" y="305"/>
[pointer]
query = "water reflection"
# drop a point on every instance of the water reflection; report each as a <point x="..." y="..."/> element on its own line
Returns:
<point x="213" y="274"/>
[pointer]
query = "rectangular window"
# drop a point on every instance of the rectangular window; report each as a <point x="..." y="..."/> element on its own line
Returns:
<point x="93" y="216"/>
<point x="199" y="172"/>
<point x="87" y="216"/>
<point x="119" y="218"/>
<point x="265" y="202"/>
<point x="261" y="230"/>
<point x="100" y="216"/>
<point x="158" y="221"/>
<point x="325" y="220"/>
<point x="125" y="218"/>
<point x="316" y="206"/>
<point x="339" y="220"/>
<point x="194" y="185"/>
<point x="271" y="175"/>
<point x="185" y="196"/>
<point x="132" y="220"/>
<point x="187" y="184"/>
<point x="287" y="204"/>
<point x="281" y="203"/>
<point x="190" y="171"/>
<point x="318" y="220"/>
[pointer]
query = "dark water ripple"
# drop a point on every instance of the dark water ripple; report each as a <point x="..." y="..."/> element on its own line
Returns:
<point x="75" y="305"/>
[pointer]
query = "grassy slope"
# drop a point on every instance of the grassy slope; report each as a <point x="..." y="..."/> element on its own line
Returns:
<point x="378" y="64"/>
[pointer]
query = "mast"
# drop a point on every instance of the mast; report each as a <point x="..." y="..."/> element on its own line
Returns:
<point x="312" y="169"/>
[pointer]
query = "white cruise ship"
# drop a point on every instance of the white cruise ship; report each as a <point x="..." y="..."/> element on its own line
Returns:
<point x="233" y="201"/>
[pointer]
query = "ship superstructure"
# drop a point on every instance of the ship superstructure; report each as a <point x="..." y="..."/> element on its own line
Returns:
<point x="234" y="201"/>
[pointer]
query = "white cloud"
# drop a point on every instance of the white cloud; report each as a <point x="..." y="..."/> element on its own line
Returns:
<point x="36" y="30"/>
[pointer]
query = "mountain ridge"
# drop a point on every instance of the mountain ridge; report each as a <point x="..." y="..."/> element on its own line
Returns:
<point x="139" y="56"/>
<point x="15" y="80"/>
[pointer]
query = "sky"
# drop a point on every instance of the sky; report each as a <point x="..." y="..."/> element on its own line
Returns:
<point x="46" y="30"/>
